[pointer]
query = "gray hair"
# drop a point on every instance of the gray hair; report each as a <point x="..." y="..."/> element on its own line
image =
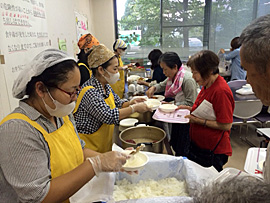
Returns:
<point x="240" y="189"/>
<point x="255" y="39"/>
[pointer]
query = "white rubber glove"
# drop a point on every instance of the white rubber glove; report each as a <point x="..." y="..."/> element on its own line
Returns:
<point x="108" y="162"/>
<point x="141" y="107"/>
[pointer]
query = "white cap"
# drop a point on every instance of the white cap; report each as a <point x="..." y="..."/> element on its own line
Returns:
<point x="120" y="44"/>
<point x="41" y="62"/>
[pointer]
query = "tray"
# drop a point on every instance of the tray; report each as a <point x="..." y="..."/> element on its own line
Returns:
<point x="254" y="161"/>
<point x="177" y="116"/>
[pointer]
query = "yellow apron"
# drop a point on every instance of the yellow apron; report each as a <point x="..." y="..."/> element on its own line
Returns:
<point x="89" y="70"/>
<point x="65" y="148"/>
<point x="101" y="140"/>
<point x="119" y="86"/>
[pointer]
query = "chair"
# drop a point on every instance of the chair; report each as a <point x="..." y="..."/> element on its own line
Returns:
<point x="246" y="111"/>
<point x="237" y="83"/>
<point x="245" y="108"/>
<point x="264" y="116"/>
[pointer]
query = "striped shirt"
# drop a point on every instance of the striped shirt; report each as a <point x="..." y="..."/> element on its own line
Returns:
<point x="93" y="110"/>
<point x="25" y="157"/>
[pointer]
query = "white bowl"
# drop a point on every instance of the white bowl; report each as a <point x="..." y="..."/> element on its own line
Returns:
<point x="158" y="97"/>
<point x="131" y="88"/>
<point x="128" y="122"/>
<point x="140" y="88"/>
<point x="246" y="86"/>
<point x="136" y="162"/>
<point x="133" y="78"/>
<point x="137" y="97"/>
<point x="167" y="108"/>
<point x="152" y="103"/>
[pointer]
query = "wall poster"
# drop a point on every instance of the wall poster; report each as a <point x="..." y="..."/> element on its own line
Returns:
<point x="81" y="25"/>
<point x="23" y="35"/>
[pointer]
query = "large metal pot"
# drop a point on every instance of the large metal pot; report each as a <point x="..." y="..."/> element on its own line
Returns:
<point x="151" y="136"/>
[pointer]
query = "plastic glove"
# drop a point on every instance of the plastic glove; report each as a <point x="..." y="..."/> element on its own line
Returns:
<point x="108" y="162"/>
<point x="137" y="100"/>
<point x="141" y="107"/>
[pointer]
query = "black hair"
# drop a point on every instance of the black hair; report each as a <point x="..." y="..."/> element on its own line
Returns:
<point x="104" y="65"/>
<point x="170" y="59"/>
<point x="153" y="56"/>
<point x="53" y="76"/>
<point x="235" y="43"/>
<point x="205" y="62"/>
<point x="82" y="56"/>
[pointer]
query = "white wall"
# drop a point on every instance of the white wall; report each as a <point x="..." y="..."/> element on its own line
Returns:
<point x="61" y="21"/>
<point x="62" y="25"/>
<point x="103" y="21"/>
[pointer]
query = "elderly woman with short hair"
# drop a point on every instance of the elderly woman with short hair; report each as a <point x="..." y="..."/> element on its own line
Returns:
<point x="211" y="134"/>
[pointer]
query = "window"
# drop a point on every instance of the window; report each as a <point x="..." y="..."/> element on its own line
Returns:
<point x="183" y="26"/>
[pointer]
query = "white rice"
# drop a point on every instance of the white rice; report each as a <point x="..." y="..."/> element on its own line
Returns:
<point x="124" y="190"/>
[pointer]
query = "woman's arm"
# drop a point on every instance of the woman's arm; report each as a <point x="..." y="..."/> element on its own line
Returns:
<point x="89" y="153"/>
<point x="140" y="107"/>
<point x="209" y="123"/>
<point x="64" y="186"/>
<point x="185" y="107"/>
<point x="231" y="54"/>
<point x="160" y="87"/>
<point x="141" y="82"/>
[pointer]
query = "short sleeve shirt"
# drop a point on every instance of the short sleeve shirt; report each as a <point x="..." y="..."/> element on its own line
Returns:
<point x="93" y="110"/>
<point x="220" y="96"/>
<point x="25" y="157"/>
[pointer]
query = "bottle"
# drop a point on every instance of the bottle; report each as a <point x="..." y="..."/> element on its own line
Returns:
<point x="148" y="73"/>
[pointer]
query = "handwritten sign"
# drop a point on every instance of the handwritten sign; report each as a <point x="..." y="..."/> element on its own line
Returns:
<point x="24" y="34"/>
<point x="81" y="25"/>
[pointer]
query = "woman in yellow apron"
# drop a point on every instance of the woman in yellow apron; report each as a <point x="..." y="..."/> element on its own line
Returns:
<point x="42" y="157"/>
<point x="98" y="107"/>
<point x="119" y="48"/>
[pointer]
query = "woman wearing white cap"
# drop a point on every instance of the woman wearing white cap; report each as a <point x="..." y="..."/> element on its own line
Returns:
<point x="98" y="107"/>
<point x="119" y="48"/>
<point x="42" y="157"/>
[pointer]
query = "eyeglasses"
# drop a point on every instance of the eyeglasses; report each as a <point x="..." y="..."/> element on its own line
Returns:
<point x="71" y="94"/>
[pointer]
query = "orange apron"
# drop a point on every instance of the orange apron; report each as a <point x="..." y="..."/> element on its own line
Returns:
<point x="101" y="140"/>
<point x="65" y="148"/>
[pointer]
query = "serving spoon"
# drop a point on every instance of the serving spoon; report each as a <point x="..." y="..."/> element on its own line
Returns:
<point x="137" y="149"/>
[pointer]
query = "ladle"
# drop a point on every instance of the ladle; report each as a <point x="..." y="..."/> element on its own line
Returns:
<point x="137" y="149"/>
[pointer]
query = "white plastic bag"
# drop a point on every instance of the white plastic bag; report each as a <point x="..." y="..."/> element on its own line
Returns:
<point x="98" y="189"/>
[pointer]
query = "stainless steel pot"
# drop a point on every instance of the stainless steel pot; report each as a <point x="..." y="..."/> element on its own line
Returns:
<point x="151" y="136"/>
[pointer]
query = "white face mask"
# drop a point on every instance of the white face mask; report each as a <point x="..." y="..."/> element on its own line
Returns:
<point x="122" y="53"/>
<point x="113" y="77"/>
<point x="60" y="110"/>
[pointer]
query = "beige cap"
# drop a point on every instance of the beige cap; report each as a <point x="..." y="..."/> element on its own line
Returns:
<point x="99" y="55"/>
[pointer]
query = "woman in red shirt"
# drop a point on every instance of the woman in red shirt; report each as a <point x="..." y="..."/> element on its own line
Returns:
<point x="206" y="134"/>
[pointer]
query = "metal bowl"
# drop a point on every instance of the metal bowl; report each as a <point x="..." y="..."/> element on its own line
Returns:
<point x="151" y="136"/>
